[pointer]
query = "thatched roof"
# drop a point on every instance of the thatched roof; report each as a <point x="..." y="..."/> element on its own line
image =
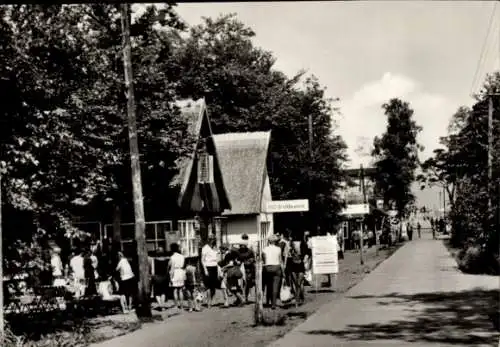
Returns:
<point x="242" y="159"/>
<point x="192" y="112"/>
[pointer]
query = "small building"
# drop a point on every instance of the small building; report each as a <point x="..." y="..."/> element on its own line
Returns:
<point x="360" y="211"/>
<point x="243" y="162"/>
<point x="202" y="196"/>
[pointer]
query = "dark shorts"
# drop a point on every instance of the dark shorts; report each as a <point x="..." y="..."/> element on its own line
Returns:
<point x="212" y="280"/>
<point x="128" y="287"/>
<point x="160" y="285"/>
<point x="250" y="276"/>
<point x="292" y="267"/>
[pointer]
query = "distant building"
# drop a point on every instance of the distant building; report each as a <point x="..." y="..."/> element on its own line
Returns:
<point x="357" y="210"/>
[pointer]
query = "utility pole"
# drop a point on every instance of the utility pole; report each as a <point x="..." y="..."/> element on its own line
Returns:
<point x="143" y="306"/>
<point x="444" y="202"/>
<point x="2" y="322"/>
<point x="490" y="148"/>
<point x="363" y="190"/>
<point x="311" y="193"/>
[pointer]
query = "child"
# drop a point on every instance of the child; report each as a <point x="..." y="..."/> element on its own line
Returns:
<point x="191" y="288"/>
<point x="105" y="290"/>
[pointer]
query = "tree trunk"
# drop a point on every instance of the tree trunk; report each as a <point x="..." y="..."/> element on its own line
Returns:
<point x="143" y="306"/>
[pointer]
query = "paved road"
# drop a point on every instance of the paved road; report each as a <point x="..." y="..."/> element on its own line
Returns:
<point x="415" y="298"/>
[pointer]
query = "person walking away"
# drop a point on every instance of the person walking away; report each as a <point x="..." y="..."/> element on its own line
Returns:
<point x="295" y="265"/>
<point x="272" y="257"/>
<point x="160" y="277"/>
<point x="76" y="265"/>
<point x="210" y="272"/>
<point x="247" y="257"/>
<point x="57" y="268"/>
<point x="306" y="252"/>
<point x="190" y="287"/>
<point x="127" y="284"/>
<point x="409" y="227"/>
<point x="222" y="275"/>
<point x="234" y="275"/>
<point x="91" y="286"/>
<point x="177" y="274"/>
<point x="356" y="237"/>
<point x="285" y="255"/>
<point x="419" y="230"/>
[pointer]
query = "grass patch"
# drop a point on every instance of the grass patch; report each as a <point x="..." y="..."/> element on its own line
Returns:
<point x="80" y="335"/>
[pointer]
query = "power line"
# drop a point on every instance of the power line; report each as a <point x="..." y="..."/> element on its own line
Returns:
<point x="483" y="50"/>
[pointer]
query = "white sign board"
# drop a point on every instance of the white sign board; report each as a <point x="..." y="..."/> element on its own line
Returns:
<point x="325" y="258"/>
<point x="356" y="209"/>
<point x="301" y="205"/>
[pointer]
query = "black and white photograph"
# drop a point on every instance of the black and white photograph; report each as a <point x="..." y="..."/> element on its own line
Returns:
<point x="266" y="174"/>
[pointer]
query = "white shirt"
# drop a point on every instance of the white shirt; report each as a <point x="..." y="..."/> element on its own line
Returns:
<point x="76" y="264"/>
<point x="57" y="266"/>
<point x="209" y="256"/>
<point x="272" y="255"/>
<point x="125" y="269"/>
<point x="176" y="261"/>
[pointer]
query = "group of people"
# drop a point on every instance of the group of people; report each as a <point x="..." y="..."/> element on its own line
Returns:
<point x="91" y="271"/>
<point x="97" y="270"/>
<point x="232" y="270"/>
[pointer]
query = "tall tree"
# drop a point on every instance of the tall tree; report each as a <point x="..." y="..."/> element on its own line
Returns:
<point x="245" y="93"/>
<point x="396" y="155"/>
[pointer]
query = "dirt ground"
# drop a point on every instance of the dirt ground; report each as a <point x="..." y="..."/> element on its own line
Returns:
<point x="229" y="326"/>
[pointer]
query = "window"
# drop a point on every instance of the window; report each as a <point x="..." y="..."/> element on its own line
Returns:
<point x="156" y="235"/>
<point x="189" y="237"/>
<point x="205" y="168"/>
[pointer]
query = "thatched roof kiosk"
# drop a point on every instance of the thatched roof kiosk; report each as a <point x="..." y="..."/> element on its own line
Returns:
<point x="242" y="158"/>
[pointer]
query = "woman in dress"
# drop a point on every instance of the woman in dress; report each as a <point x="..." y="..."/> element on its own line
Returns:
<point x="177" y="274"/>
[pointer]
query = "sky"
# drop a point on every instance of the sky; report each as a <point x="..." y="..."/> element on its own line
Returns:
<point x="365" y="53"/>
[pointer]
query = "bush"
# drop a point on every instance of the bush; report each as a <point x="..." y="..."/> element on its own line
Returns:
<point x="474" y="259"/>
<point x="273" y="317"/>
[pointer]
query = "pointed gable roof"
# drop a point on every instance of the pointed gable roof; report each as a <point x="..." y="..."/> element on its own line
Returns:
<point x="242" y="159"/>
<point x="195" y="114"/>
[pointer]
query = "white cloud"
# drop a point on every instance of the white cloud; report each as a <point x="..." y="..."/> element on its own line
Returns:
<point x="363" y="118"/>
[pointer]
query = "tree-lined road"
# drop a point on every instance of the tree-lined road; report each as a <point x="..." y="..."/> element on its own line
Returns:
<point x="416" y="298"/>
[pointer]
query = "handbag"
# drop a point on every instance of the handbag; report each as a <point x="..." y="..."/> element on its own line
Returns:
<point x="285" y="292"/>
<point x="308" y="276"/>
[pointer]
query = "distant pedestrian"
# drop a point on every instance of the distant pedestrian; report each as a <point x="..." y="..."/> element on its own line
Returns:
<point x="177" y="274"/>
<point x="410" y="231"/>
<point x="419" y="230"/>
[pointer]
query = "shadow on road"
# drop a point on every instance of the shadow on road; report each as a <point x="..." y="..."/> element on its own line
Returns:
<point x="446" y="317"/>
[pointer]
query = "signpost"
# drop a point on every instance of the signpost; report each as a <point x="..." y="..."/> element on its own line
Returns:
<point x="354" y="209"/>
<point x="279" y="206"/>
<point x="324" y="256"/>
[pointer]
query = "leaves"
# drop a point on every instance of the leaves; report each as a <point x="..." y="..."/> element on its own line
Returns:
<point x="396" y="155"/>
